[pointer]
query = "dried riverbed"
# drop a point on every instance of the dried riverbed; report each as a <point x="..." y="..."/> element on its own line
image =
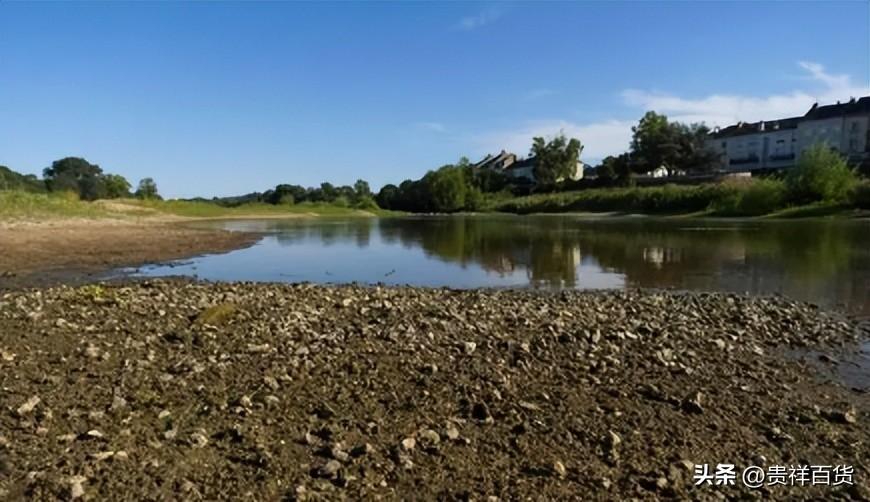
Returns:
<point x="172" y="390"/>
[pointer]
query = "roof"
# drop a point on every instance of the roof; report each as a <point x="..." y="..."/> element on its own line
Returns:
<point x="520" y="164"/>
<point x="852" y="107"/>
<point x="492" y="159"/>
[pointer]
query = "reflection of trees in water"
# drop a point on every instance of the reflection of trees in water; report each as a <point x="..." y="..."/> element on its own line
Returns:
<point x="829" y="258"/>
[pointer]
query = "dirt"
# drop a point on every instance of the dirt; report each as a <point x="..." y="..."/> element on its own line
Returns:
<point x="171" y="390"/>
<point x="57" y="251"/>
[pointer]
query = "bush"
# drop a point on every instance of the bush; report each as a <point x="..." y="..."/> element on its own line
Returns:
<point x="366" y="202"/>
<point x="341" y="201"/>
<point x="757" y="197"/>
<point x="820" y="175"/>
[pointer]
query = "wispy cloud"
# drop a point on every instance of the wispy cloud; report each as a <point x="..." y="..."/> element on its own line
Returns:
<point x="613" y="136"/>
<point x="483" y="18"/>
<point x="724" y="109"/>
<point x="431" y="126"/>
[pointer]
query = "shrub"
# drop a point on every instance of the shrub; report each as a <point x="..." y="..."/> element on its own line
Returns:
<point x="366" y="202"/>
<point x="341" y="201"/>
<point x="820" y="175"/>
<point x="752" y="198"/>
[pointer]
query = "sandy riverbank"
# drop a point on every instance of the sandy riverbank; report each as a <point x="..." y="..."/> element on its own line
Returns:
<point x="176" y="390"/>
<point x="52" y="251"/>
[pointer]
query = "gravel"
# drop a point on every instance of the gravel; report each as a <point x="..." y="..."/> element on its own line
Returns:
<point x="178" y="390"/>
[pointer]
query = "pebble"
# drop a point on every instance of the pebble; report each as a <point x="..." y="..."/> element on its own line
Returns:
<point x="28" y="405"/>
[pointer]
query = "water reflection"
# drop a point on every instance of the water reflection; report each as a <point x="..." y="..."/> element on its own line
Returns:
<point x="826" y="262"/>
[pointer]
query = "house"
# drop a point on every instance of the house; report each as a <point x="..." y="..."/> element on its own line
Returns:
<point x="777" y="144"/>
<point x="522" y="170"/>
<point x="499" y="162"/>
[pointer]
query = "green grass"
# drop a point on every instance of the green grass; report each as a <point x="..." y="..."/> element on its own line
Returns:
<point x="733" y="198"/>
<point x="17" y="204"/>
<point x="198" y="209"/>
<point x="668" y="199"/>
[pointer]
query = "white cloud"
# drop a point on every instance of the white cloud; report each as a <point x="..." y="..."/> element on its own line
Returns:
<point x="725" y="109"/>
<point x="431" y="126"/>
<point x="599" y="139"/>
<point x="612" y="137"/>
<point x="483" y="18"/>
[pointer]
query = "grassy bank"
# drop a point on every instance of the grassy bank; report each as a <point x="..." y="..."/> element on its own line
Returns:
<point x="755" y="197"/>
<point x="20" y="205"/>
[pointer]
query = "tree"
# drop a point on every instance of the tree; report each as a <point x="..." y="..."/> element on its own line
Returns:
<point x="821" y="174"/>
<point x="361" y="189"/>
<point x="77" y="175"/>
<point x="656" y="142"/>
<point x="556" y="160"/>
<point x="147" y="189"/>
<point x="387" y="196"/>
<point x="447" y="189"/>
<point x="328" y="193"/>
<point x="116" y="186"/>
<point x="11" y="180"/>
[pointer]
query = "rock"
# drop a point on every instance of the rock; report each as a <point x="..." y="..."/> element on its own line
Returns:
<point x="28" y="406"/>
<point x="271" y="382"/>
<point x="103" y="455"/>
<point x="338" y="453"/>
<point x="452" y="433"/>
<point x="409" y="443"/>
<point x="246" y="402"/>
<point x="850" y="416"/>
<point x="76" y="490"/>
<point x="199" y="439"/>
<point x="93" y="433"/>
<point x="429" y="438"/>
<point x="330" y="470"/>
<point x="216" y="315"/>
<point x="559" y="469"/>
<point x="469" y="347"/>
<point x="613" y="439"/>
<point x="693" y="404"/>
<point x="93" y="352"/>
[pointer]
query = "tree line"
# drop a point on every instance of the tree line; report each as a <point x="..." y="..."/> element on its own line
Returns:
<point x="78" y="176"/>
<point x="657" y="142"/>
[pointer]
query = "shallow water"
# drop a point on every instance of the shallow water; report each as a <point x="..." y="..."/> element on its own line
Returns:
<point x="824" y="262"/>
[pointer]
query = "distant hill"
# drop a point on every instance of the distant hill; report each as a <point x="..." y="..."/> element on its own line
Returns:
<point x="11" y="180"/>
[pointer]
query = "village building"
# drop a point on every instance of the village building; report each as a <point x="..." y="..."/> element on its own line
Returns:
<point x="778" y="144"/>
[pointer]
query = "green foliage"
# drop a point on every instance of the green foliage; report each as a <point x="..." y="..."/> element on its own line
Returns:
<point x="752" y="198"/>
<point x="663" y="199"/>
<point x="11" y="180"/>
<point x="147" y="189"/>
<point x="16" y="204"/>
<point x="446" y="188"/>
<point x="78" y="175"/>
<point x="657" y="142"/>
<point x="556" y="159"/>
<point x="361" y="189"/>
<point x="117" y="186"/>
<point x="821" y="174"/>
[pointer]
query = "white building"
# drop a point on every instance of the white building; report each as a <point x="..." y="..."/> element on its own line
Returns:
<point x="520" y="169"/>
<point x="777" y="144"/>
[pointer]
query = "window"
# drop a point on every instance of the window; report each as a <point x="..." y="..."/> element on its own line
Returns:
<point x="854" y="127"/>
<point x="724" y="144"/>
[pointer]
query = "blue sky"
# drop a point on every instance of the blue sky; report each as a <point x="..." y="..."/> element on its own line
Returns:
<point x="226" y="98"/>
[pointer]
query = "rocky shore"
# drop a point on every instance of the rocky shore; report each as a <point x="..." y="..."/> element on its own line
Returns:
<point x="170" y="390"/>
